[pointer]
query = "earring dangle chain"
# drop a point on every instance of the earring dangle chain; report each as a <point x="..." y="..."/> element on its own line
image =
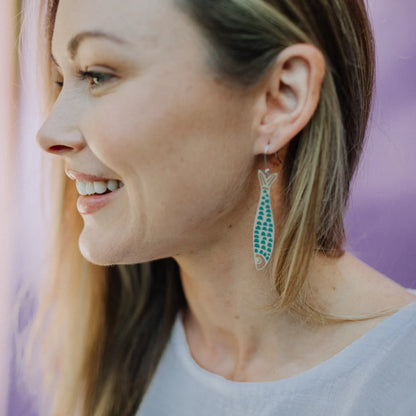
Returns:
<point x="263" y="230"/>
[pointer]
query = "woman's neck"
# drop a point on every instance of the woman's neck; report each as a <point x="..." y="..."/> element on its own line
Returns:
<point x="231" y="332"/>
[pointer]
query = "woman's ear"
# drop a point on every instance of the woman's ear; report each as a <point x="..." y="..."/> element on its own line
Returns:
<point x="289" y="96"/>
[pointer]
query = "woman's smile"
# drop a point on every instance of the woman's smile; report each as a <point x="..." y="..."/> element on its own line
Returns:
<point x="95" y="191"/>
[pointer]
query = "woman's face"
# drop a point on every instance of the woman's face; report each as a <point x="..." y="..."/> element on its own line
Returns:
<point x="157" y="120"/>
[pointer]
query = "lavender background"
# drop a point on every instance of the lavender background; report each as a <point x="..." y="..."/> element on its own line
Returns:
<point x="381" y="216"/>
<point x="381" y="219"/>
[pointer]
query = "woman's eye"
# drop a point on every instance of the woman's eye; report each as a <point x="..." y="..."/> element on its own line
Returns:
<point x="95" y="79"/>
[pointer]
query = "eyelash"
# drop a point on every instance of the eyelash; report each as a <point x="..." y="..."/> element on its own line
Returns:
<point x="82" y="75"/>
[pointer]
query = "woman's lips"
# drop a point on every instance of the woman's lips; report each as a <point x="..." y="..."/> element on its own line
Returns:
<point x="75" y="175"/>
<point x="89" y="204"/>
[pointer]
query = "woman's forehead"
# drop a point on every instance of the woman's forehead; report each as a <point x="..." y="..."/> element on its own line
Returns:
<point x="145" y="24"/>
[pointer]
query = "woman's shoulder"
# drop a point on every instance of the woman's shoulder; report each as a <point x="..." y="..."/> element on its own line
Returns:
<point x="390" y="294"/>
<point x="412" y="292"/>
<point x="365" y="291"/>
<point x="368" y="291"/>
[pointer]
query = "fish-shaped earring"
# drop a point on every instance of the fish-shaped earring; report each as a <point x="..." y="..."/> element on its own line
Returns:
<point x="263" y="230"/>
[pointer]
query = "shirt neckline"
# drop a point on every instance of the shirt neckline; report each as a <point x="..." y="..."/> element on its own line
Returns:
<point x="342" y="362"/>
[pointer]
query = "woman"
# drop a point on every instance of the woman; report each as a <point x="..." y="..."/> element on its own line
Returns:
<point x="204" y="152"/>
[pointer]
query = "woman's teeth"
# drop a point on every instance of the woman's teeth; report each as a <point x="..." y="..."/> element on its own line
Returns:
<point x="91" y="188"/>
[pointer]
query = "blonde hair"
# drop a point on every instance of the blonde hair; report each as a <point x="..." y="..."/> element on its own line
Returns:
<point x="100" y="331"/>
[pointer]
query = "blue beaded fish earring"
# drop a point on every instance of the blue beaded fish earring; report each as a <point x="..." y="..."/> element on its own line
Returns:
<point x="263" y="231"/>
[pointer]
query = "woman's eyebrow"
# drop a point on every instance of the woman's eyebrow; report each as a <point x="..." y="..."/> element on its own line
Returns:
<point x="76" y="41"/>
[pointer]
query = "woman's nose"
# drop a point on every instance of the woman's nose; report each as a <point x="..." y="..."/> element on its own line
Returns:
<point x="58" y="135"/>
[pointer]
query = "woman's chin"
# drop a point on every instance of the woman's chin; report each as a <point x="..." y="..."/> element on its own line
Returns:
<point x="99" y="254"/>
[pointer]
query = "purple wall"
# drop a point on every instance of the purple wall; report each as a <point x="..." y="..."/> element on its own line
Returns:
<point x="381" y="219"/>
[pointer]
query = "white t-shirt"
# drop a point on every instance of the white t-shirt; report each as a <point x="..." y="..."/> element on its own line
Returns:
<point x="373" y="376"/>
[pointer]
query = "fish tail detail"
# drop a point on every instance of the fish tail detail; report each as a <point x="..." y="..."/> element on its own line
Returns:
<point x="266" y="181"/>
<point x="270" y="180"/>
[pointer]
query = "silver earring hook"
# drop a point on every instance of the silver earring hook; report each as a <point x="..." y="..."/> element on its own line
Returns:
<point x="266" y="169"/>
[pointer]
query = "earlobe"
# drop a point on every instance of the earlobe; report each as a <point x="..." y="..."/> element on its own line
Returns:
<point x="290" y="96"/>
